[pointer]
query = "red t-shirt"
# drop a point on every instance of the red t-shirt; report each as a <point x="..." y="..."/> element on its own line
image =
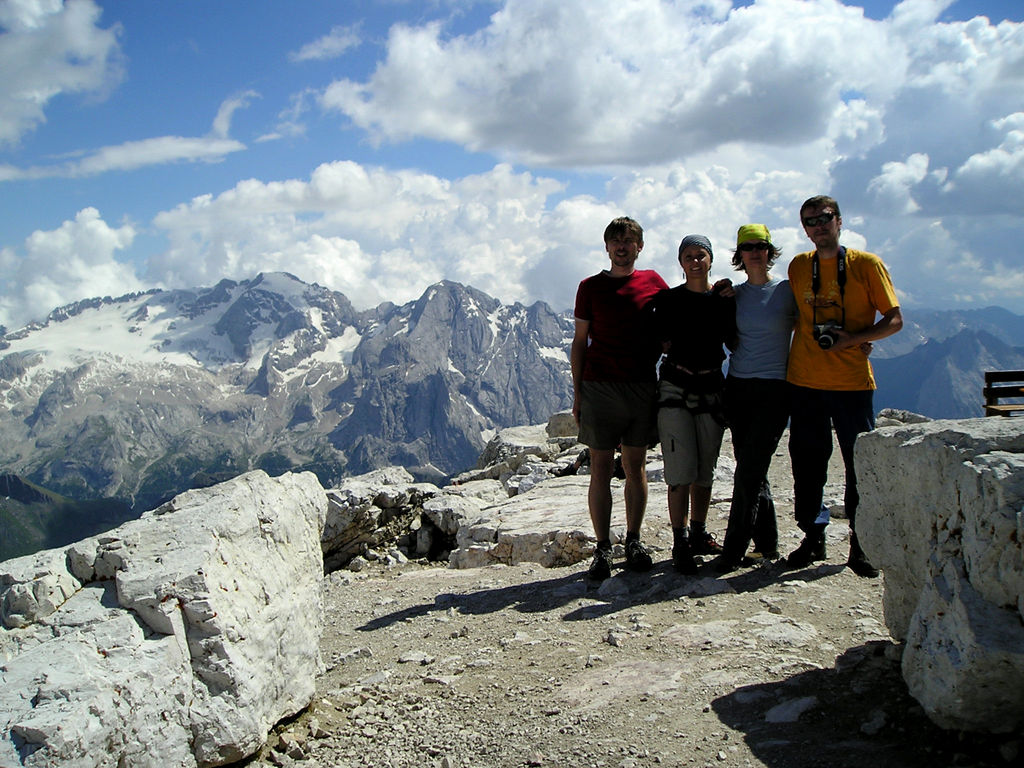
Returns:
<point x="622" y="344"/>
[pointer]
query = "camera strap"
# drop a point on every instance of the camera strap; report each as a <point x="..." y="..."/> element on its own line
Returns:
<point x="816" y="283"/>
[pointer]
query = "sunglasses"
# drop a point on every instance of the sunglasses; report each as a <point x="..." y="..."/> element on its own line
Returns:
<point x="748" y="247"/>
<point x="821" y="218"/>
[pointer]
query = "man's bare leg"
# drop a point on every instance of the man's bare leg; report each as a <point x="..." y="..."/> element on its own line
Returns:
<point x="634" y="464"/>
<point x="599" y="495"/>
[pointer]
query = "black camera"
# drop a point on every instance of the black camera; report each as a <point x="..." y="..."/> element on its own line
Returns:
<point x="825" y="333"/>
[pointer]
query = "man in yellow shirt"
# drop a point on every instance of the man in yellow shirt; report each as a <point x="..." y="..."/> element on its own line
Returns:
<point x="845" y="300"/>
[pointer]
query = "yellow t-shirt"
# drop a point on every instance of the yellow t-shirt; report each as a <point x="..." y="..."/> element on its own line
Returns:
<point x="869" y="291"/>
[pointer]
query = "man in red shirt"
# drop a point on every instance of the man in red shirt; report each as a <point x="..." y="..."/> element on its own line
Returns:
<point x="613" y="358"/>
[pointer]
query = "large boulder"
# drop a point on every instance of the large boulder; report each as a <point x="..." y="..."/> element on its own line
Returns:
<point x="550" y="526"/>
<point x="942" y="514"/>
<point x="178" y="639"/>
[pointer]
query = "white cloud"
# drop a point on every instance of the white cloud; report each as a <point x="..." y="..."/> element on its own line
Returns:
<point x="132" y="155"/>
<point x="997" y="174"/>
<point x="894" y="186"/>
<point x="330" y="46"/>
<point x="75" y="261"/>
<point x="374" y="234"/>
<point x="381" y="235"/>
<point x="586" y="83"/>
<point x="49" y="49"/>
<point x="291" y="119"/>
<point x="222" y="122"/>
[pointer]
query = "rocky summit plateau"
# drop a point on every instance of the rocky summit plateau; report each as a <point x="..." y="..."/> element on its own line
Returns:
<point x="391" y="622"/>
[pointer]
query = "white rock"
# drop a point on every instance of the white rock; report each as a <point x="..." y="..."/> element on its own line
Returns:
<point x="942" y="514"/>
<point x="205" y="637"/>
<point x="562" y="424"/>
<point x="548" y="525"/>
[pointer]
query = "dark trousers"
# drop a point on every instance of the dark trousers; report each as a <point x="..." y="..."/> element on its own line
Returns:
<point x="757" y="411"/>
<point x="814" y="413"/>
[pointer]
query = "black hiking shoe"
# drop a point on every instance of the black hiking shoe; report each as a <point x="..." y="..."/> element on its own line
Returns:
<point x="682" y="558"/>
<point x="725" y="564"/>
<point x="637" y="556"/>
<point x="811" y="549"/>
<point x="858" y="561"/>
<point x="601" y="565"/>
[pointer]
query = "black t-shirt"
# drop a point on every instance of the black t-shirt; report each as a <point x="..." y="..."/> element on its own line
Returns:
<point x="697" y="324"/>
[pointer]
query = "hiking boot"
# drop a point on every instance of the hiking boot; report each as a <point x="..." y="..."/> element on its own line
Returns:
<point x="637" y="556"/>
<point x="682" y="558"/>
<point x="762" y="559"/>
<point x="725" y="564"/>
<point x="705" y="544"/>
<point x="765" y="551"/>
<point x="812" y="548"/>
<point x="601" y="565"/>
<point x="858" y="561"/>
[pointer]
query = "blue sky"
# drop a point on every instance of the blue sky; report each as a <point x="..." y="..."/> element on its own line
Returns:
<point x="378" y="147"/>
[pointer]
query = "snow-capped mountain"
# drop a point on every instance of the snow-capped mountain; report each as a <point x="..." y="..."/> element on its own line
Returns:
<point x="145" y="395"/>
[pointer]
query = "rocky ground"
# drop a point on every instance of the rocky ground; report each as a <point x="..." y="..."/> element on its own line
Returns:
<point x="527" y="666"/>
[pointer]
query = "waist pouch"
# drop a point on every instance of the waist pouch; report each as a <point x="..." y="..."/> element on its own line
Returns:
<point x="709" y="383"/>
<point x="702" y="392"/>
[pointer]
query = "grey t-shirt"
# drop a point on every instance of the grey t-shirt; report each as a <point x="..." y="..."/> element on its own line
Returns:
<point x="765" y="315"/>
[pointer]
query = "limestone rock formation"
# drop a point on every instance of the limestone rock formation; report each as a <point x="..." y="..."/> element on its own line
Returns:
<point x="178" y="639"/>
<point x="942" y="514"/>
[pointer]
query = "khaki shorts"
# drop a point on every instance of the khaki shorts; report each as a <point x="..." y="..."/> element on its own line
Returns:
<point x="690" y="442"/>
<point x="614" y="413"/>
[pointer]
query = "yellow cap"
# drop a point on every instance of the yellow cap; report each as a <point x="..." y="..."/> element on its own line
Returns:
<point x="753" y="232"/>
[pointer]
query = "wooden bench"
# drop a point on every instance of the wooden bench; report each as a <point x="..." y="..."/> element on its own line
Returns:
<point x="1003" y="385"/>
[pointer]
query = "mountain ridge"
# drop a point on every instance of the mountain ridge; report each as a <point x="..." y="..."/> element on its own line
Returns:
<point x="134" y="397"/>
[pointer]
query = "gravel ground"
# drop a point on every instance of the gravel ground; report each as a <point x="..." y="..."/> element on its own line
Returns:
<point x="528" y="666"/>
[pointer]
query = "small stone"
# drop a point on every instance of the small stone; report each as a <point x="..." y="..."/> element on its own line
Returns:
<point x="416" y="657"/>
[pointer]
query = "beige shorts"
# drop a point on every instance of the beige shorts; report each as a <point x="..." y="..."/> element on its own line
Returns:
<point x="690" y="442"/>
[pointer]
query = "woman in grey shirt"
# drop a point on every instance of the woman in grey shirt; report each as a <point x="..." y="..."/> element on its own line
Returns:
<point x="756" y="395"/>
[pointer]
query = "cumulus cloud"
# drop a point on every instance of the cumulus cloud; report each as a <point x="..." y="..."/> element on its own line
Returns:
<point x="47" y="49"/>
<point x="378" y="235"/>
<point x="995" y="175"/>
<point x="894" y="186"/>
<point x="77" y="260"/>
<point x="585" y="83"/>
<point x="374" y="234"/>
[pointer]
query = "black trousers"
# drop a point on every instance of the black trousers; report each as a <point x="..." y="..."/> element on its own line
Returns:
<point x="757" y="411"/>
<point x="814" y="414"/>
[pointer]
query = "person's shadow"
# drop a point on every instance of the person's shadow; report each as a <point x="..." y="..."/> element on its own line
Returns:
<point x="622" y="590"/>
<point x="859" y="713"/>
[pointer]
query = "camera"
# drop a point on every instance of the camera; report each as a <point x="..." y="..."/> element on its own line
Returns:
<point x="825" y="333"/>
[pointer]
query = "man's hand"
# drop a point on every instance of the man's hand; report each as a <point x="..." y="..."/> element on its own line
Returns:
<point x="845" y="340"/>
